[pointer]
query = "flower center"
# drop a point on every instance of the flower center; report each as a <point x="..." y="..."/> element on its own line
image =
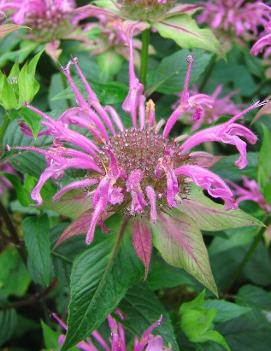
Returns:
<point x="146" y="10"/>
<point x="141" y="149"/>
<point x="50" y="25"/>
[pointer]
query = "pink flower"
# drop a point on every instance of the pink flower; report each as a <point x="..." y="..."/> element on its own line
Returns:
<point x="138" y="170"/>
<point x="49" y="20"/>
<point x="250" y="192"/>
<point x="207" y="109"/>
<point x="4" y="182"/>
<point x="234" y="16"/>
<point x="117" y="341"/>
<point x="264" y="42"/>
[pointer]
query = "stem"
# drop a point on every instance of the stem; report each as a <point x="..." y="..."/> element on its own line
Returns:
<point x="3" y="128"/>
<point x="31" y="300"/>
<point x="249" y="253"/>
<point x="208" y="73"/>
<point x="12" y="230"/>
<point x="145" y="39"/>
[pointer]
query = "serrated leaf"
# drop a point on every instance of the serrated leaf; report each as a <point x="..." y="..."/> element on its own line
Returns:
<point x="98" y="283"/>
<point x="28" y="85"/>
<point x="180" y="243"/>
<point x="183" y="29"/>
<point x="211" y="216"/>
<point x="36" y="236"/>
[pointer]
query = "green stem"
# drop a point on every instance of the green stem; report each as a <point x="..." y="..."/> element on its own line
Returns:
<point x="208" y="73"/>
<point x="145" y="39"/>
<point x="249" y="253"/>
<point x="3" y="128"/>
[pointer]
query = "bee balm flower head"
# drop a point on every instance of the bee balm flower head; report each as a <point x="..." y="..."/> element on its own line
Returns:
<point x="140" y="171"/>
<point x="48" y="19"/>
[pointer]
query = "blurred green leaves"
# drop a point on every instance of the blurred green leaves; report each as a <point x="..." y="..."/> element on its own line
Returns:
<point x="20" y="86"/>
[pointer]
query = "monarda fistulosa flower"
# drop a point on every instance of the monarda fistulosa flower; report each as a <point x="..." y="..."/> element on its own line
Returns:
<point x="117" y="340"/>
<point x="263" y="44"/>
<point x="234" y="19"/>
<point x="250" y="191"/>
<point x="140" y="172"/>
<point x="207" y="109"/>
<point x="49" y="20"/>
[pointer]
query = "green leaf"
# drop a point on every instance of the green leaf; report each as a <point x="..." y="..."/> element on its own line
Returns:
<point x="50" y="337"/>
<point x="21" y="192"/>
<point x="36" y="236"/>
<point x="249" y="332"/>
<point x="32" y="119"/>
<point x="211" y="216"/>
<point x="225" y="310"/>
<point x="98" y="283"/>
<point x="8" y="322"/>
<point x="197" y="322"/>
<point x="8" y="95"/>
<point x="264" y="165"/>
<point x="180" y="243"/>
<point x="14" y="278"/>
<point x="143" y="308"/>
<point x="254" y="296"/>
<point x="168" y="77"/>
<point x="109" y="64"/>
<point x="185" y="32"/>
<point x="25" y="162"/>
<point x="109" y="93"/>
<point x="28" y="85"/>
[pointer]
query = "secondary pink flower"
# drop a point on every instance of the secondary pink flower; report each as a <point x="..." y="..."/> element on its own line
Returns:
<point x="117" y="341"/>
<point x="4" y="182"/>
<point x="139" y="171"/>
<point x="264" y="42"/>
<point x="250" y="191"/>
<point x="49" y="20"/>
<point x="234" y="16"/>
<point x="207" y="109"/>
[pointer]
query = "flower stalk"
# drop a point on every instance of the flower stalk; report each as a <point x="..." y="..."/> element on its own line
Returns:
<point x="144" y="55"/>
